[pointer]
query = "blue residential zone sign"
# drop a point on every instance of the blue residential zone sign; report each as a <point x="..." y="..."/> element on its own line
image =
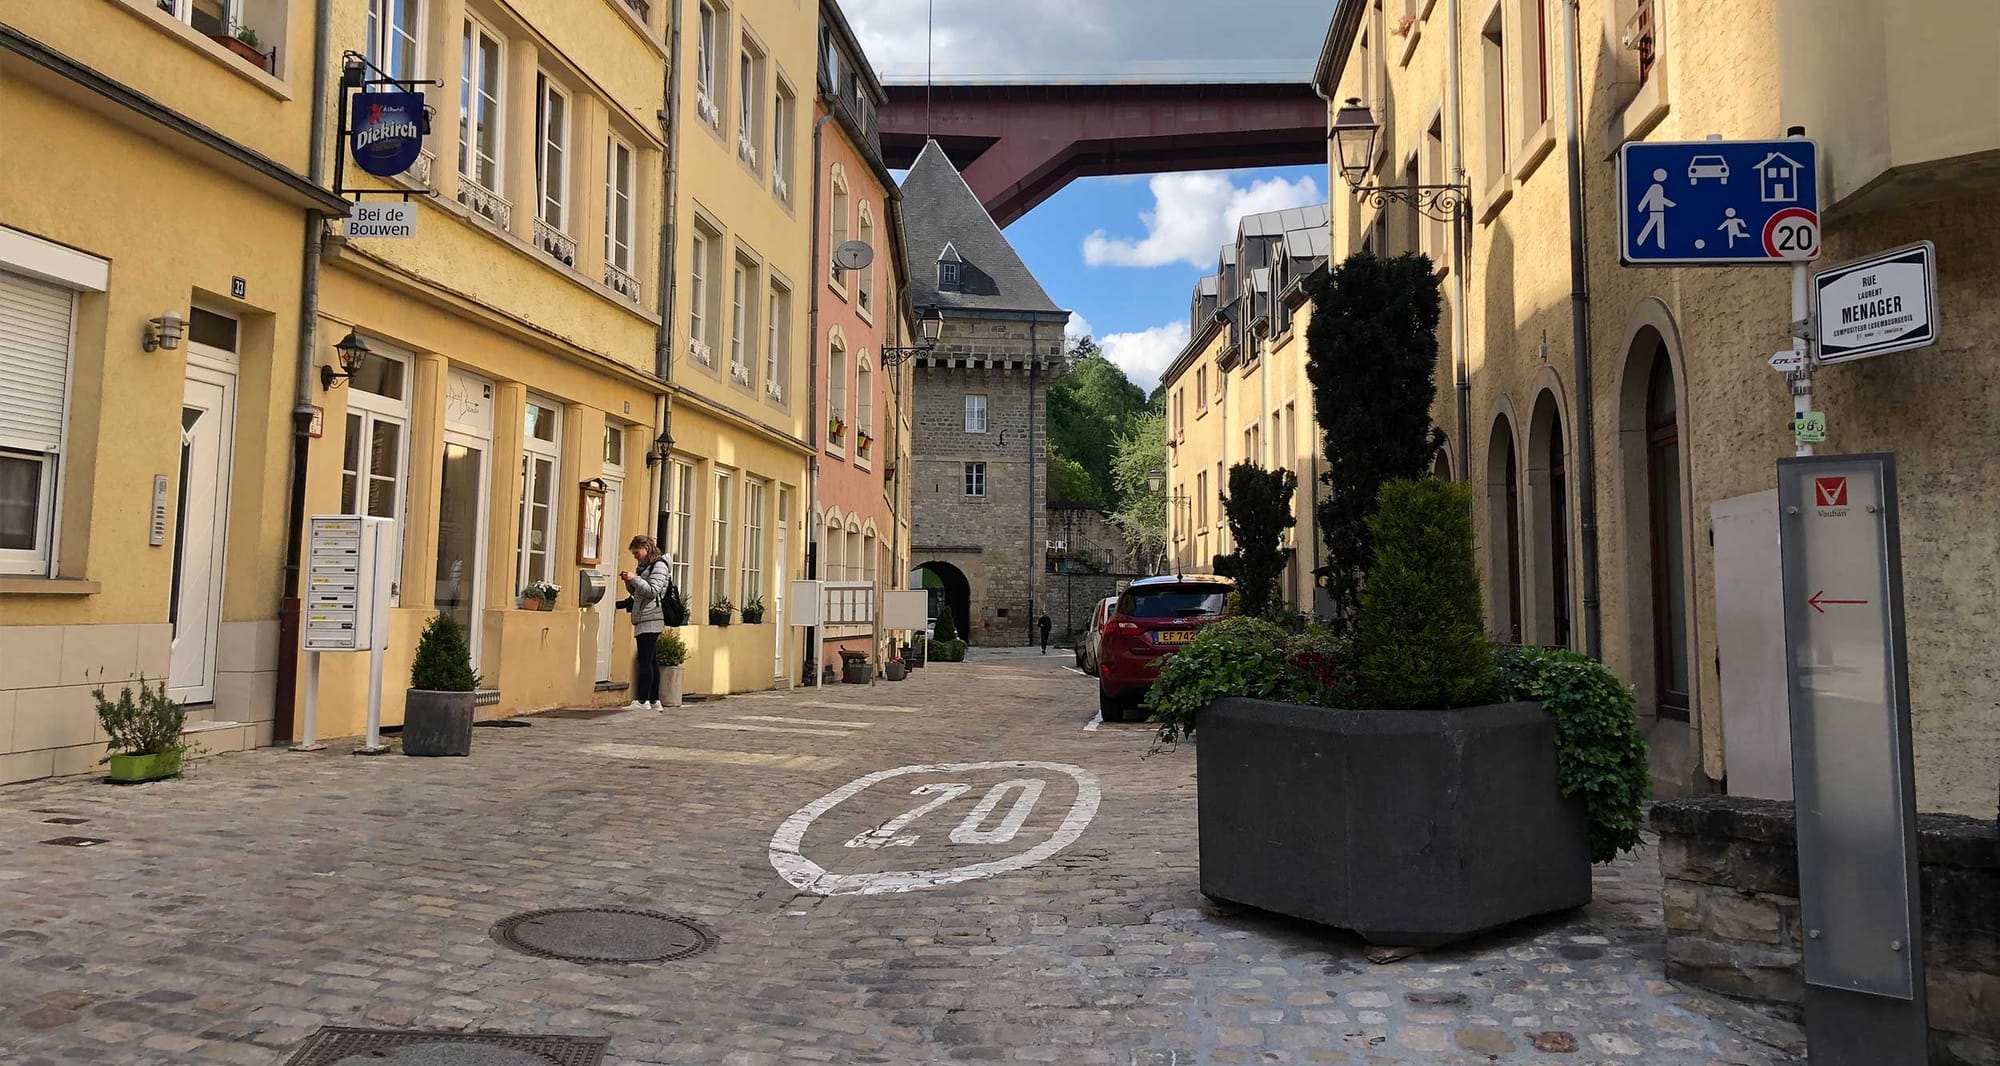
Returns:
<point x="1718" y="202"/>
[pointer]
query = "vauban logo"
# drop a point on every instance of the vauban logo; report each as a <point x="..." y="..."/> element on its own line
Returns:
<point x="387" y="131"/>
<point x="1830" y="496"/>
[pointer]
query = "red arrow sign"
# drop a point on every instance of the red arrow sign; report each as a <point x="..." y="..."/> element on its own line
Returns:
<point x="1818" y="601"/>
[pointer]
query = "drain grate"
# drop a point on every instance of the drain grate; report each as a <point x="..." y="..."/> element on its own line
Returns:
<point x="582" y="712"/>
<point x="76" y="842"/>
<point x="336" y="1045"/>
<point x="603" y="934"/>
<point x="66" y="820"/>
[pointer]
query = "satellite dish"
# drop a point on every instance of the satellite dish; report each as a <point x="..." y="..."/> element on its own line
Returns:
<point x="853" y="255"/>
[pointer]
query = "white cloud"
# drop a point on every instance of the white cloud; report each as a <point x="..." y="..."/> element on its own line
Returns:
<point x="1144" y="355"/>
<point x="1193" y="216"/>
<point x="1079" y="326"/>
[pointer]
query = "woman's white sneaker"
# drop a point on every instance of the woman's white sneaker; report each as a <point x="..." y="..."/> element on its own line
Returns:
<point x="635" y="705"/>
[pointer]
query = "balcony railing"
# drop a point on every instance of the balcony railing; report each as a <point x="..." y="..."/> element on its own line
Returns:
<point x="705" y="107"/>
<point x="700" y="353"/>
<point x="484" y="201"/>
<point x="420" y="172"/>
<point x="621" y="281"/>
<point x="740" y="374"/>
<point x="640" y="8"/>
<point x="779" y="186"/>
<point x="746" y="151"/>
<point x="775" y="389"/>
<point x="560" y="246"/>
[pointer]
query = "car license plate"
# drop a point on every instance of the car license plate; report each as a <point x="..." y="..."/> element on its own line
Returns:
<point x="1173" y="636"/>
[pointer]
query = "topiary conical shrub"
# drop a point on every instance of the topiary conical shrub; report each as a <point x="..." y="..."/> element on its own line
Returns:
<point x="947" y="627"/>
<point x="1420" y="629"/>
<point x="444" y="660"/>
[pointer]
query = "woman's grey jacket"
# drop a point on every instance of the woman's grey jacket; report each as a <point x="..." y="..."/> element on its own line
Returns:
<point x="649" y="593"/>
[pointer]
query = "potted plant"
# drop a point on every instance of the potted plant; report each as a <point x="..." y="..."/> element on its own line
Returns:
<point x="894" y="669"/>
<point x="753" y="611"/>
<point x="144" y="736"/>
<point x="437" y="709"/>
<point x="540" y="595"/>
<point x="834" y="428"/>
<point x="1388" y="783"/>
<point x="671" y="652"/>
<point x="245" y="43"/>
<point x="854" y="668"/>
<point x="719" y="611"/>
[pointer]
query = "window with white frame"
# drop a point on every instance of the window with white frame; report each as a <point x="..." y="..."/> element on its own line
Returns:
<point x="618" y="187"/>
<point x="750" y="98"/>
<point x="783" y="114"/>
<point x="975" y="480"/>
<point x="394" y="36"/>
<point x="218" y="18"/>
<point x="836" y="396"/>
<point x="701" y="267"/>
<point x="753" y="540"/>
<point x="832" y="547"/>
<point x="868" y="557"/>
<point x="479" y="107"/>
<point x="864" y="406"/>
<point x="1493" y="99"/>
<point x="949" y="277"/>
<point x="373" y="468"/>
<point x="680" y="524"/>
<point x="864" y="286"/>
<point x="718" y="548"/>
<point x="777" y="342"/>
<point x="839" y="211"/>
<point x="35" y="329"/>
<point x="704" y="68"/>
<point x="551" y="154"/>
<point x="975" y="413"/>
<point x="541" y="456"/>
<point x="742" y="321"/>
<point x="614" y="447"/>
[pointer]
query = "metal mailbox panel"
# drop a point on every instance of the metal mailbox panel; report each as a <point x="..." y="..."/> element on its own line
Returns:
<point x="1849" y="697"/>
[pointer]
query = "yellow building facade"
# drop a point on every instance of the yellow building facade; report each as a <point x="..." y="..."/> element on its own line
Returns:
<point x="741" y="218"/>
<point x="153" y="225"/>
<point x="1238" y="392"/>
<point x="1649" y="537"/>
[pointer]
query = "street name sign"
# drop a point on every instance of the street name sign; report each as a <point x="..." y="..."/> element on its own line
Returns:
<point x="1718" y="203"/>
<point x="1884" y="303"/>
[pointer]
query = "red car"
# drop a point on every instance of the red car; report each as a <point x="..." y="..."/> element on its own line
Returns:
<point x="1154" y="616"/>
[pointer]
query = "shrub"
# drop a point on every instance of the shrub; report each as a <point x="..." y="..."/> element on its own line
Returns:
<point x="1599" y="751"/>
<point x="444" y="660"/>
<point x="945" y="651"/>
<point x="1420" y="633"/>
<point x="1233" y="657"/>
<point x="1259" y="507"/>
<point x="947" y="627"/>
<point x="670" y="650"/>
<point x="1325" y="660"/>
<point x="151" y="725"/>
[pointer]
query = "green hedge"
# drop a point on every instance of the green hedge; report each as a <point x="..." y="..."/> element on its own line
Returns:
<point x="1599" y="751"/>
<point x="1420" y="630"/>
<point x="945" y="651"/>
<point x="1253" y="658"/>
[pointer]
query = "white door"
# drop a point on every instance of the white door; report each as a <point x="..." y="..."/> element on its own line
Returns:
<point x="610" y="545"/>
<point x="782" y="566"/>
<point x="208" y="418"/>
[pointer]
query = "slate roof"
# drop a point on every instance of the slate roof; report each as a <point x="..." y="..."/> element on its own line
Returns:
<point x="1313" y="243"/>
<point x="1273" y="223"/>
<point x="939" y="209"/>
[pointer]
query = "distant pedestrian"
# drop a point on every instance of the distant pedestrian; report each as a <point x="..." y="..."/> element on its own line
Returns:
<point x="647" y="588"/>
<point x="1044" y="622"/>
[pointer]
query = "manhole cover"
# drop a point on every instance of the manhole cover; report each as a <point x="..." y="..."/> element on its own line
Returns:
<point x="603" y="934"/>
<point x="76" y="842"/>
<point x="341" y="1046"/>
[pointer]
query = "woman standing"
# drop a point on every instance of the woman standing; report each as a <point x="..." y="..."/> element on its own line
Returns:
<point x="647" y="587"/>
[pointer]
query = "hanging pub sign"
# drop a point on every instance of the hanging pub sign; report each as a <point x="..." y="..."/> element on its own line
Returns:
<point x="387" y="131"/>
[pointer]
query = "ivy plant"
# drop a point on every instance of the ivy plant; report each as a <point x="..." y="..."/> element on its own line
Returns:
<point x="1233" y="657"/>
<point x="1600" y="753"/>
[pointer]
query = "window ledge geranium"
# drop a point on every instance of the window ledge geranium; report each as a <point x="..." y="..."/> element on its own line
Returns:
<point x="719" y="611"/>
<point x="540" y="595"/>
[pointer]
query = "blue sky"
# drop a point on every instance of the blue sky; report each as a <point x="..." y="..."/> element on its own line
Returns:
<point x="1123" y="253"/>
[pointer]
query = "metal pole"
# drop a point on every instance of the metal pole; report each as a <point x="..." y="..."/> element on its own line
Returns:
<point x="1802" y="392"/>
<point x="373" y="745"/>
<point x="309" y="731"/>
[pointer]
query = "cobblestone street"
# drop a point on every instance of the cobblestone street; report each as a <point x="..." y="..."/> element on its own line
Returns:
<point x="229" y="915"/>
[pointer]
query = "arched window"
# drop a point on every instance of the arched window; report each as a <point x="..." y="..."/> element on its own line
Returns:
<point x="1503" y="530"/>
<point x="1669" y="540"/>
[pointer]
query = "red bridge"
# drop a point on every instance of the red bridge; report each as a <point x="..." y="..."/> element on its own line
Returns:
<point x="1017" y="144"/>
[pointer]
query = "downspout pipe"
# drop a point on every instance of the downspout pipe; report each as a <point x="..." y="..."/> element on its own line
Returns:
<point x="1461" y="255"/>
<point x="1034" y="564"/>
<point x="302" y="405"/>
<point x="818" y="264"/>
<point x="663" y="346"/>
<point x="1579" y="322"/>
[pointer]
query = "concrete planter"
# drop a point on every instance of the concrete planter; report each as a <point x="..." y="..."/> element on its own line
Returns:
<point x="856" y="671"/>
<point x="437" y="723"/>
<point x="893" y="671"/>
<point x="672" y="680"/>
<point x="132" y="769"/>
<point x="1411" y="828"/>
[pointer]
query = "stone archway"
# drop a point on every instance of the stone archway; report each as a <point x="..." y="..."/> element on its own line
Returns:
<point x="1503" y="532"/>
<point x="947" y="585"/>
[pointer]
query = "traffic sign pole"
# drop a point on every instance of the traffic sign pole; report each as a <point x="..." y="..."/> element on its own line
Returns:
<point x="1802" y="391"/>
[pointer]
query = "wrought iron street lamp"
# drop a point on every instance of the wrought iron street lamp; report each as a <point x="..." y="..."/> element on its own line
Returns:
<point x="351" y="352"/>
<point x="1354" y="134"/>
<point x="932" y="327"/>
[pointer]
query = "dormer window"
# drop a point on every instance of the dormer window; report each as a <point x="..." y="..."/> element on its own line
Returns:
<point x="948" y="275"/>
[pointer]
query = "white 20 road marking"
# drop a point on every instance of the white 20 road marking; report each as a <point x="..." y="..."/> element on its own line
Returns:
<point x="809" y="876"/>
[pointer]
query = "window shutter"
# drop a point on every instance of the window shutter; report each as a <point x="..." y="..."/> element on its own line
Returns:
<point x="34" y="362"/>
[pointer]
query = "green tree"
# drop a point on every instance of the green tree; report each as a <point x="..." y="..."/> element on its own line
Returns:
<point x="1069" y="482"/>
<point x="1371" y="357"/>
<point x="1259" y="508"/>
<point x="1141" y="511"/>
<point x="1420" y="630"/>
<point x="443" y="661"/>
<point x="1088" y="407"/>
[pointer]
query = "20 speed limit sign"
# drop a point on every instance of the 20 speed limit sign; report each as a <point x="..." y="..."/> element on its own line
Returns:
<point x="1792" y="234"/>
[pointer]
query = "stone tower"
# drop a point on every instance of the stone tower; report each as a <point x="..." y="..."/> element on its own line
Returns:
<point x="979" y="445"/>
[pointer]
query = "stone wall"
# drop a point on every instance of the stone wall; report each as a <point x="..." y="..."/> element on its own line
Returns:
<point x="1731" y="899"/>
<point x="989" y="539"/>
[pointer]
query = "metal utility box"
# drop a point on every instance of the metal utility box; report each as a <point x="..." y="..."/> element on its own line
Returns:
<point x="350" y="567"/>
